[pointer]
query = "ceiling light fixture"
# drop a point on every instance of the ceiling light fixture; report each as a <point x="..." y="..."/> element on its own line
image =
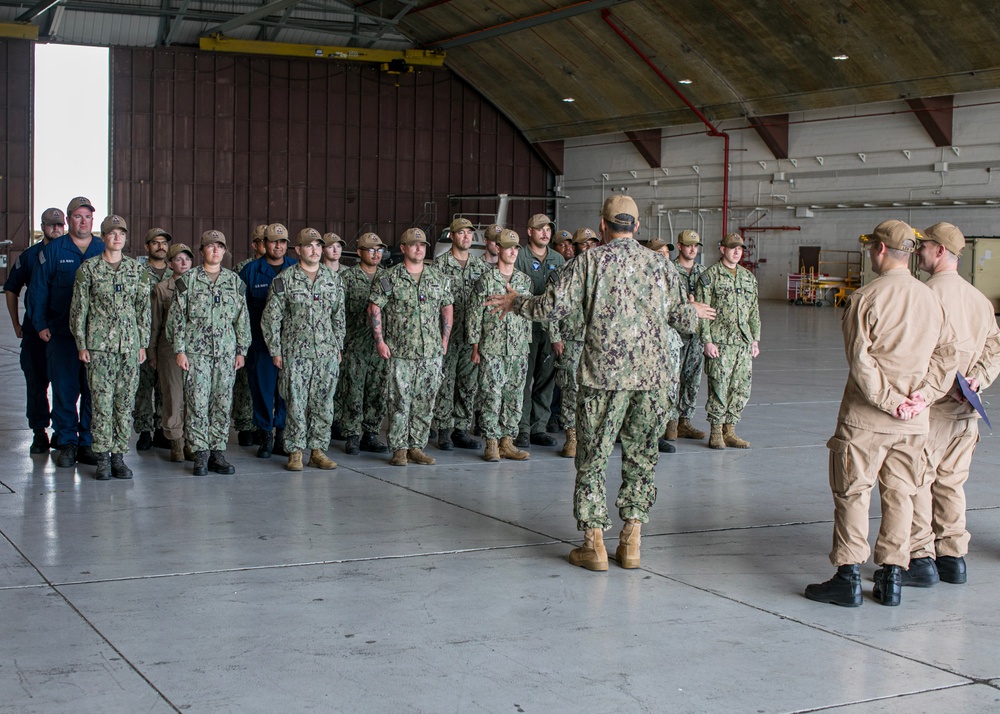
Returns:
<point x="685" y="81"/>
<point x="568" y="100"/>
<point x="840" y="57"/>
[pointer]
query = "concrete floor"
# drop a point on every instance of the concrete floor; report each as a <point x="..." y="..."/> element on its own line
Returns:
<point x="446" y="588"/>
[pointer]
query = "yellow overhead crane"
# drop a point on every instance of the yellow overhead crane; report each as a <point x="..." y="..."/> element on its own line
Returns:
<point x="19" y="30"/>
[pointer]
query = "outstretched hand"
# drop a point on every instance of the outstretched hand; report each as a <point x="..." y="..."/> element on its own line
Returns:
<point x="502" y="304"/>
<point x="704" y="310"/>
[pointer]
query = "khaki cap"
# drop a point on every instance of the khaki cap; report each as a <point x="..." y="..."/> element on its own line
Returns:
<point x="178" y="248"/>
<point x="275" y="232"/>
<point x="689" y="238"/>
<point x="582" y="235"/>
<point x="562" y="237"/>
<point x="369" y="240"/>
<point x="493" y="232"/>
<point x="308" y="235"/>
<point x="508" y="239"/>
<point x="331" y="238"/>
<point x="212" y="236"/>
<point x="112" y="222"/>
<point x="459" y="224"/>
<point x="258" y="233"/>
<point x="53" y="217"/>
<point x="656" y="244"/>
<point x="732" y="240"/>
<point x="620" y="209"/>
<point x="78" y="202"/>
<point x="540" y="220"/>
<point x="156" y="233"/>
<point x="412" y="236"/>
<point x="895" y="234"/>
<point x="947" y="235"/>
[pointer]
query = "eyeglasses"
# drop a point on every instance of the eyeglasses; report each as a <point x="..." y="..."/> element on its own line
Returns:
<point x="372" y="251"/>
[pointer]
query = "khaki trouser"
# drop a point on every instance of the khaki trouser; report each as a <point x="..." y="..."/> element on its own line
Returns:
<point x="172" y="386"/>
<point x="858" y="460"/>
<point x="939" y="504"/>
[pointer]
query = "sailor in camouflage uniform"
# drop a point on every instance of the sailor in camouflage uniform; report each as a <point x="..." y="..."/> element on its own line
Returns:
<point x="500" y="345"/>
<point x="361" y="393"/>
<point x="147" y="419"/>
<point x="673" y="342"/>
<point x="457" y="395"/>
<point x="242" y="401"/>
<point x="303" y="326"/>
<point x="413" y="300"/>
<point x="629" y="299"/>
<point x="731" y="342"/>
<point x="209" y="328"/>
<point x="109" y="318"/>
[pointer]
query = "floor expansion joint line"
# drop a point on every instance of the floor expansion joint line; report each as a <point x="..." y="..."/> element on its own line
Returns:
<point x="888" y="697"/>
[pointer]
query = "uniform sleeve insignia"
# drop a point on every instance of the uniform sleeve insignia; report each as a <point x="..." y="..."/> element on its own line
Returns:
<point x="386" y="285"/>
<point x="242" y="287"/>
<point x="480" y="285"/>
<point x="41" y="257"/>
<point x="279" y="285"/>
<point x="180" y="285"/>
<point x="553" y="277"/>
<point x="705" y="279"/>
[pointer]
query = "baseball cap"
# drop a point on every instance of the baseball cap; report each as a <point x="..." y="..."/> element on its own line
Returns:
<point x="275" y="232"/>
<point x="412" y="236"/>
<point x="308" y="235"/>
<point x="689" y="238"/>
<point x="212" y="236"/>
<point x="656" y="244"/>
<point x="156" y="233"/>
<point x="53" y="217"/>
<point x="369" y="240"/>
<point x="562" y="237"/>
<point x="178" y="248"/>
<point x="258" y="233"/>
<point x="459" y="224"/>
<point x="947" y="235"/>
<point x="540" y="220"/>
<point x="112" y="222"/>
<point x="895" y="234"/>
<point x="78" y="202"/>
<point x="493" y="232"/>
<point x="331" y="238"/>
<point x="508" y="239"/>
<point x="620" y="209"/>
<point x="732" y="240"/>
<point x="582" y="235"/>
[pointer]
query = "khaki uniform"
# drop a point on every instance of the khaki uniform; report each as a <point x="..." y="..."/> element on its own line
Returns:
<point x="148" y="397"/>
<point x="170" y="376"/>
<point x="939" y="505"/>
<point x="890" y="356"/>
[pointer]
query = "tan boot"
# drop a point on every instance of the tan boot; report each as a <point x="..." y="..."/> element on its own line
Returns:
<point x="715" y="440"/>
<point x="294" y="461"/>
<point x="492" y="451"/>
<point x="398" y="457"/>
<point x="509" y="451"/>
<point x="729" y="436"/>
<point x="686" y="430"/>
<point x="319" y="460"/>
<point x="671" y="433"/>
<point x="591" y="555"/>
<point x="627" y="553"/>
<point x="569" y="448"/>
<point x="177" y="450"/>
<point x="418" y="456"/>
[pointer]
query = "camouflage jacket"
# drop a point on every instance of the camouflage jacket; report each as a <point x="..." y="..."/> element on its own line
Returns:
<point x="506" y="336"/>
<point x="689" y="281"/>
<point x="209" y="318"/>
<point x="463" y="286"/>
<point x="357" y="288"/>
<point x="109" y="311"/>
<point x="629" y="300"/>
<point x="304" y="318"/>
<point x="411" y="310"/>
<point x="571" y="327"/>
<point x="734" y="297"/>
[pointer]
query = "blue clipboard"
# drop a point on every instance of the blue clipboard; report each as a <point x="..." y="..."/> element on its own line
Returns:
<point x="973" y="398"/>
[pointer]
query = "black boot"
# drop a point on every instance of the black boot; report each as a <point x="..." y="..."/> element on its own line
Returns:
<point x="245" y="438"/>
<point x="200" y="463"/>
<point x="336" y="433"/>
<point x="444" y="440"/>
<point x="464" y="441"/>
<point x="103" y="466"/>
<point x="258" y="437"/>
<point x="842" y="589"/>
<point x="279" y="442"/>
<point x="523" y="440"/>
<point x="922" y="573"/>
<point x="370" y="442"/>
<point x="352" y="445"/>
<point x="40" y="444"/>
<point x="952" y="569"/>
<point x="542" y="439"/>
<point x="217" y="463"/>
<point x="888" y="585"/>
<point x="145" y="441"/>
<point x="159" y="440"/>
<point x="665" y="447"/>
<point x="86" y="455"/>
<point x="266" y="445"/>
<point x="118" y="467"/>
<point x="66" y="456"/>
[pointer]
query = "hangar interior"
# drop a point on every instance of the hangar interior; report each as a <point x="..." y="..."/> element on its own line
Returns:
<point x="446" y="587"/>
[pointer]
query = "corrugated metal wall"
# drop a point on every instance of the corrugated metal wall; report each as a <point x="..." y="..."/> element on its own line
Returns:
<point x="203" y="141"/>
<point x="17" y="65"/>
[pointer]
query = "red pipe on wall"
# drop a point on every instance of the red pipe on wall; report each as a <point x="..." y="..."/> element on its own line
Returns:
<point x="712" y="130"/>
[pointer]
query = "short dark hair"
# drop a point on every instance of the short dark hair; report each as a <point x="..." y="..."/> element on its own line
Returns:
<point x="623" y="223"/>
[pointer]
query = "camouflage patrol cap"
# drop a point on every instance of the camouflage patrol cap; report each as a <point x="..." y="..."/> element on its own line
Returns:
<point x="947" y="235"/>
<point x="688" y="238"/>
<point x="493" y="232"/>
<point x="369" y="240"/>
<point x="258" y="233"/>
<point x="895" y="234"/>
<point x="582" y="235"/>
<point x="178" y="248"/>
<point x="620" y="209"/>
<point x="413" y="236"/>
<point x="308" y="235"/>
<point x="212" y="236"/>
<point x="112" y="222"/>
<point x="53" y="217"/>
<point x="459" y="224"/>
<point x="154" y="233"/>
<point x="331" y="238"/>
<point x="732" y="240"/>
<point x="508" y="239"/>
<point x="540" y="220"/>
<point x="562" y="237"/>
<point x="656" y="244"/>
<point x="275" y="232"/>
<point x="79" y="202"/>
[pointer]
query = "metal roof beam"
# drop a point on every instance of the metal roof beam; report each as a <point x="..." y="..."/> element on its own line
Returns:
<point x="175" y="25"/>
<point x="935" y="115"/>
<point x="773" y="131"/>
<point x="253" y="16"/>
<point x="36" y="10"/>
<point x="649" y="144"/>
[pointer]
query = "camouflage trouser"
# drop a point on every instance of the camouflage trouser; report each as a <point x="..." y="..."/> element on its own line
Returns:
<point x="728" y="383"/>
<point x="242" y="403"/>
<point x="360" y="404"/>
<point x="413" y="385"/>
<point x="566" y="367"/>
<point x="675" y="345"/>
<point x="208" y="400"/>
<point x="148" y="400"/>
<point x="640" y="417"/>
<point x="692" y="358"/>
<point x="501" y="392"/>
<point x="457" y="395"/>
<point x="307" y="386"/>
<point x="112" y="378"/>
